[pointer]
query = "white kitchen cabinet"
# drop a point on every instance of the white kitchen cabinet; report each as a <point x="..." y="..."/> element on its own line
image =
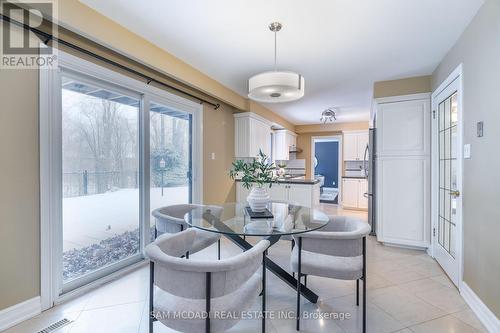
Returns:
<point x="403" y="200"/>
<point x="284" y="140"/>
<point x="350" y="150"/>
<point x="403" y="128"/>
<point x="301" y="194"/>
<point x="355" y="143"/>
<point x="403" y="170"/>
<point x="279" y="192"/>
<point x="353" y="191"/>
<point x="252" y="133"/>
<point x="350" y="193"/>
<point x="241" y="192"/>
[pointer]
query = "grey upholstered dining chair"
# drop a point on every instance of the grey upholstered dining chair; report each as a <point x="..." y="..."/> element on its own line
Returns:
<point x="336" y="251"/>
<point x="170" y="219"/>
<point x="200" y="287"/>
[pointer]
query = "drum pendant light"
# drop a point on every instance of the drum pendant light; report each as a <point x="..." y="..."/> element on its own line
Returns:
<point x="276" y="86"/>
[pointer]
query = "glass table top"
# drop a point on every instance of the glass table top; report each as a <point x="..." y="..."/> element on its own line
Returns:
<point x="233" y="219"/>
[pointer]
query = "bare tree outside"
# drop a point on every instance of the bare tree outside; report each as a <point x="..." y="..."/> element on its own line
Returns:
<point x="100" y="177"/>
<point x="100" y="150"/>
<point x="102" y="142"/>
<point x="169" y="141"/>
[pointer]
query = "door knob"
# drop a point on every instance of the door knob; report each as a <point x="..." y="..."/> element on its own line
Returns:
<point x="455" y="193"/>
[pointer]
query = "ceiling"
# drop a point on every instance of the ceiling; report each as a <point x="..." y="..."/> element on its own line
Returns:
<point x="340" y="46"/>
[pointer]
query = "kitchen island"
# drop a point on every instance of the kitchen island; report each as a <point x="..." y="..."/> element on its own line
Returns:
<point x="300" y="190"/>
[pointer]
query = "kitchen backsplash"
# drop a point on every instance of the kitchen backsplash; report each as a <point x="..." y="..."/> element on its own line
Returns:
<point x="354" y="169"/>
<point x="294" y="167"/>
<point x="353" y="165"/>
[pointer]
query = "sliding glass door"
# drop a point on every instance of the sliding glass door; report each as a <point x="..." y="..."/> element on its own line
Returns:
<point x="112" y="149"/>
<point x="171" y="167"/>
<point x="100" y="179"/>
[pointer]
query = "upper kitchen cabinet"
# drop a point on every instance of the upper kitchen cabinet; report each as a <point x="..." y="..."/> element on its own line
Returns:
<point x="403" y="125"/>
<point x="355" y="143"/>
<point x="252" y="133"/>
<point x="284" y="141"/>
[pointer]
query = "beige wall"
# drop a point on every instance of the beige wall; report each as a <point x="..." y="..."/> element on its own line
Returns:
<point x="478" y="49"/>
<point x="218" y="138"/>
<point x="407" y="86"/>
<point x="19" y="189"/>
<point x="331" y="127"/>
<point x="306" y="132"/>
<point x="269" y="115"/>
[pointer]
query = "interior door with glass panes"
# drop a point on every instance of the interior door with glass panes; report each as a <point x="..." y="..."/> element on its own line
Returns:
<point x="447" y="166"/>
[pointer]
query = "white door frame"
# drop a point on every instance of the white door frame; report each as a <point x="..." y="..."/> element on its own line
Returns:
<point x="455" y="78"/>
<point x="340" y="160"/>
<point x="51" y="163"/>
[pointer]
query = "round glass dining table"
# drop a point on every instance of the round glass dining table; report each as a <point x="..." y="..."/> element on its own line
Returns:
<point x="235" y="222"/>
<point x="236" y="219"/>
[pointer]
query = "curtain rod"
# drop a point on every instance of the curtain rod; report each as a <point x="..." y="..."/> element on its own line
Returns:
<point x="48" y="37"/>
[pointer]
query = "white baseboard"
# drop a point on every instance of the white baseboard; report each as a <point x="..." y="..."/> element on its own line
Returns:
<point x="20" y="312"/>
<point x="404" y="246"/>
<point x="487" y="318"/>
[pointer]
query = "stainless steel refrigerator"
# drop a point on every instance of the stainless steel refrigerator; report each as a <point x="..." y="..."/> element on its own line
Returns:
<point x="370" y="173"/>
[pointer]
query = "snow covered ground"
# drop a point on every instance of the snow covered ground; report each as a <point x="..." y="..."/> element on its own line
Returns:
<point x="89" y="219"/>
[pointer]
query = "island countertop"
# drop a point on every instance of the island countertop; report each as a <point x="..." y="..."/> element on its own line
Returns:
<point x="298" y="180"/>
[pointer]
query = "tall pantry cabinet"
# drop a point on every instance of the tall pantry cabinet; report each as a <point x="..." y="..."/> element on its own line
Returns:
<point x="403" y="170"/>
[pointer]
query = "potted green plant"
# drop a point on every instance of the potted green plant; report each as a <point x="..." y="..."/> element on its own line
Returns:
<point x="257" y="175"/>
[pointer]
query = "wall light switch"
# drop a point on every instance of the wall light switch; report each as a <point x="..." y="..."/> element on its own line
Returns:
<point x="467" y="150"/>
<point x="213" y="156"/>
<point x="480" y="129"/>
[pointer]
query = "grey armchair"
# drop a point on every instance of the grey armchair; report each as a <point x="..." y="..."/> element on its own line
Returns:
<point x="178" y="285"/>
<point x="170" y="219"/>
<point x="336" y="251"/>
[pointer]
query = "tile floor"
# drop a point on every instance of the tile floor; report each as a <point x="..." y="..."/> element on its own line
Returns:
<point x="407" y="292"/>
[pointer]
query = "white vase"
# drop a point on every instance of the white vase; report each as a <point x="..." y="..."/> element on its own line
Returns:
<point x="258" y="198"/>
